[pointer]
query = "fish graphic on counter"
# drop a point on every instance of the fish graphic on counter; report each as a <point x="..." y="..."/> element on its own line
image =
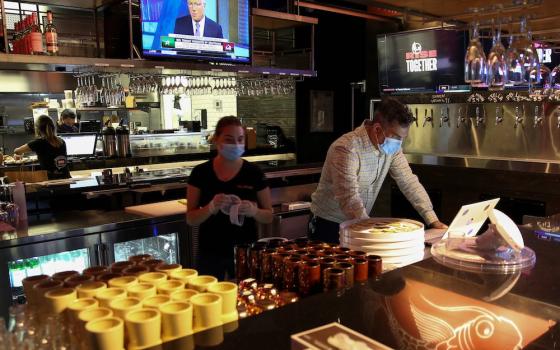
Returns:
<point x="477" y="333"/>
<point x="426" y="317"/>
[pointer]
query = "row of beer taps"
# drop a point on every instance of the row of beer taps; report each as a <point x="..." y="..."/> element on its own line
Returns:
<point x="479" y="117"/>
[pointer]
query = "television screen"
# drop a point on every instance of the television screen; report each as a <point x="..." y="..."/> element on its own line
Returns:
<point x="422" y="61"/>
<point x="210" y="30"/>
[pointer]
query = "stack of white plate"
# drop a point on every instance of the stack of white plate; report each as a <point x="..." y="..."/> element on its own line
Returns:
<point x="398" y="242"/>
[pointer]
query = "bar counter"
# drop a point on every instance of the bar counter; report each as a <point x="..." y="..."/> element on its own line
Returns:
<point x="415" y="306"/>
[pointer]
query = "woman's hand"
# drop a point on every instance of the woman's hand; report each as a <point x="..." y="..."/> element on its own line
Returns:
<point x="218" y="202"/>
<point x="248" y="208"/>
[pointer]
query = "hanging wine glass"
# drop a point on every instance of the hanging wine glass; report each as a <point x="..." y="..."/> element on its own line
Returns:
<point x="475" y="60"/>
<point x="542" y="74"/>
<point x="497" y="65"/>
<point x="521" y="57"/>
<point x="554" y="82"/>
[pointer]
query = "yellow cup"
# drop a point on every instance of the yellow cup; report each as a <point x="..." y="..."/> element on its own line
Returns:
<point x="176" y="319"/>
<point x="95" y="313"/>
<point x="106" y="333"/>
<point x="139" y="258"/>
<point x="42" y="287"/>
<point x="119" y="266"/>
<point x="79" y="305"/>
<point x="228" y="292"/>
<point x="183" y="295"/>
<point x="152" y="264"/>
<point x="184" y="275"/>
<point x="144" y="328"/>
<point x="153" y="277"/>
<point x="90" y="289"/>
<point x="95" y="271"/>
<point x="169" y="268"/>
<point x="121" y="307"/>
<point x="168" y="287"/>
<point x="107" y="295"/>
<point x="231" y="326"/>
<point x="28" y="284"/>
<point x="123" y="282"/>
<point x="207" y="311"/>
<point x="201" y="283"/>
<point x="142" y="290"/>
<point x="135" y="270"/>
<point x="156" y="301"/>
<point x="59" y="299"/>
<point x="39" y="291"/>
<point x="210" y="337"/>
<point x="61" y="276"/>
<point x="76" y="280"/>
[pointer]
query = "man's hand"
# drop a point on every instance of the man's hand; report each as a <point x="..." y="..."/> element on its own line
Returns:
<point x="438" y="224"/>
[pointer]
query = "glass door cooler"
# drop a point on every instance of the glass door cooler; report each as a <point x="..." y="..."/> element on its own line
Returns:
<point x="17" y="263"/>
<point x="161" y="240"/>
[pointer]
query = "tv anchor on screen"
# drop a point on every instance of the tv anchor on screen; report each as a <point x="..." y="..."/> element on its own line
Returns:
<point x="196" y="23"/>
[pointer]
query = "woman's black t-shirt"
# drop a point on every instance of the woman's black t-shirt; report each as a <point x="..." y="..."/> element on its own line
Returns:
<point x="52" y="159"/>
<point x="218" y="235"/>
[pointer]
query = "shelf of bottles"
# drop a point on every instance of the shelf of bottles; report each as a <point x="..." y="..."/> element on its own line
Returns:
<point x="77" y="260"/>
<point x="37" y="29"/>
<point x="29" y="39"/>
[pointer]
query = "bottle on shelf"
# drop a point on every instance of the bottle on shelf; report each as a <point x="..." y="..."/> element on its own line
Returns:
<point x="51" y="36"/>
<point x="27" y="35"/>
<point x="36" y="36"/>
<point x="16" y="38"/>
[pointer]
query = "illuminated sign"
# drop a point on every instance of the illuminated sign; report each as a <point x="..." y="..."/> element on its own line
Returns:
<point x="418" y="60"/>
<point x="545" y="55"/>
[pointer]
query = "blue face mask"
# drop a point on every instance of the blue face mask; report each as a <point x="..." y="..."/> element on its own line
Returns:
<point x="232" y="151"/>
<point x="390" y="146"/>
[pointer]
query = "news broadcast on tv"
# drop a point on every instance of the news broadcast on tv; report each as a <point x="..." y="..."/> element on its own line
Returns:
<point x="213" y="30"/>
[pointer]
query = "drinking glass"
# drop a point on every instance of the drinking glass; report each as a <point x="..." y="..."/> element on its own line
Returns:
<point x="522" y="57"/>
<point x="497" y="65"/>
<point x="476" y="68"/>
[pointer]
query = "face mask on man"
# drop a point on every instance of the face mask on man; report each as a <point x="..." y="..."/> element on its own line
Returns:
<point x="390" y="146"/>
<point x="231" y="151"/>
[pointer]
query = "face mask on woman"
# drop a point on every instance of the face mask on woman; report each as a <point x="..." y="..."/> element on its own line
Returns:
<point x="231" y="151"/>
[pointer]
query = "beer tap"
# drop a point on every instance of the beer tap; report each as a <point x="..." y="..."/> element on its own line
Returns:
<point x="444" y="117"/>
<point x="479" y="120"/>
<point x="460" y="117"/>
<point x="499" y="114"/>
<point x="428" y="119"/>
<point x="538" y="118"/>
<point x="416" y="116"/>
<point x="518" y="117"/>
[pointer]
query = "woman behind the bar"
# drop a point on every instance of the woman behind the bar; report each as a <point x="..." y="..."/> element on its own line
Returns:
<point x="50" y="149"/>
<point x="209" y="195"/>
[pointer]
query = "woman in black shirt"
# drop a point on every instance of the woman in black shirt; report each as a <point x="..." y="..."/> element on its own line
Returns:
<point x="50" y="149"/>
<point x="224" y="182"/>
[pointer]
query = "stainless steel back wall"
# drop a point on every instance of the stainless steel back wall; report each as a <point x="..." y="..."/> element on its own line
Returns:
<point x="35" y="82"/>
<point x="536" y="137"/>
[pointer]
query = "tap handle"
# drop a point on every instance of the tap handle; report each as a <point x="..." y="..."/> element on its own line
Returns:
<point x="432" y="116"/>
<point x="499" y="114"/>
<point x="518" y="118"/>
<point x="416" y="116"/>
<point x="459" y="117"/>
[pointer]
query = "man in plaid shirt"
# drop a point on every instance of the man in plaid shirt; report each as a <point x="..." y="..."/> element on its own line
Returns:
<point x="356" y="166"/>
